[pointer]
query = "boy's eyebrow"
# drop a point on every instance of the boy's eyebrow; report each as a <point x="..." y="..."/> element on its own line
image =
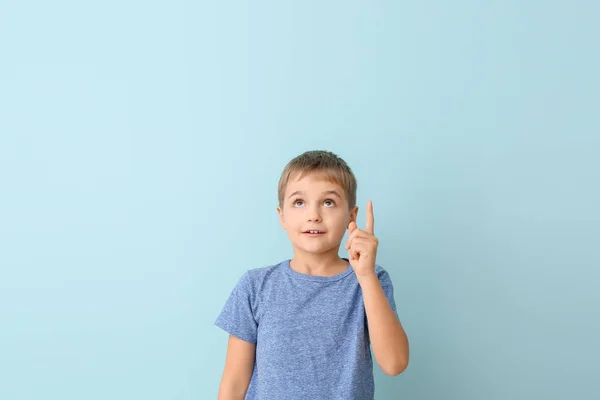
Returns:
<point x="324" y="193"/>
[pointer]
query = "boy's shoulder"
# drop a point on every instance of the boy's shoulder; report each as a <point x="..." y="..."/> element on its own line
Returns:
<point x="254" y="277"/>
<point x="379" y="270"/>
<point x="384" y="277"/>
<point x="259" y="272"/>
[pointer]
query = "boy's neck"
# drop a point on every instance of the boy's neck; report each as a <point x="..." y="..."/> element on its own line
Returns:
<point x="318" y="264"/>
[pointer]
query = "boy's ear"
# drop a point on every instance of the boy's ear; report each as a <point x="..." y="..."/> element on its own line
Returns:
<point x="281" y="220"/>
<point x="353" y="214"/>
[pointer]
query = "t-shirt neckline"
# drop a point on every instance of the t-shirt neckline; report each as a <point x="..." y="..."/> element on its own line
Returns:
<point x="295" y="274"/>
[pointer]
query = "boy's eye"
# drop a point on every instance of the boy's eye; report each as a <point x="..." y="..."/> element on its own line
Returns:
<point x="326" y="203"/>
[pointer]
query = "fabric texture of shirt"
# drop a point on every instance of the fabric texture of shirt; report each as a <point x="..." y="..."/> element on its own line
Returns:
<point x="311" y="333"/>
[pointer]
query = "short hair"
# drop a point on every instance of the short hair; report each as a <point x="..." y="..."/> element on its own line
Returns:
<point x="328" y="165"/>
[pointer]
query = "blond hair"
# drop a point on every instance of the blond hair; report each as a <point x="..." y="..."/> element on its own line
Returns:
<point x="328" y="165"/>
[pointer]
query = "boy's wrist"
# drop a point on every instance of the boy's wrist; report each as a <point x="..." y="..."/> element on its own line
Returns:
<point x="367" y="278"/>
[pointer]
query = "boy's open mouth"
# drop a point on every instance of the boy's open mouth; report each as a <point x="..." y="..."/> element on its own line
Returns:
<point x="314" y="232"/>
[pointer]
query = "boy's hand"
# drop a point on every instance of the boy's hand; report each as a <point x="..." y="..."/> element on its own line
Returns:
<point x="362" y="245"/>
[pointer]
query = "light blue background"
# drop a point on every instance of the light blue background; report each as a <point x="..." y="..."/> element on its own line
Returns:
<point x="140" y="147"/>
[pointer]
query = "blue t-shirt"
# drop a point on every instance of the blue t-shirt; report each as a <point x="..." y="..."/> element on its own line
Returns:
<point x="310" y="332"/>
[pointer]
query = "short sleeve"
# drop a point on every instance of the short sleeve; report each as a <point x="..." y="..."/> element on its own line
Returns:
<point x="388" y="287"/>
<point x="237" y="317"/>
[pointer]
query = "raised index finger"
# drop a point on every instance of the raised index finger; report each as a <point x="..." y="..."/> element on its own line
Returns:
<point x="370" y="218"/>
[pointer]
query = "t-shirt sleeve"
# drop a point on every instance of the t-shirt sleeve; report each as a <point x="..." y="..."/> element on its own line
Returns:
<point x="237" y="317"/>
<point x="388" y="288"/>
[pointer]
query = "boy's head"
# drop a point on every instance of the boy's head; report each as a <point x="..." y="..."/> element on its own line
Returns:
<point x="317" y="192"/>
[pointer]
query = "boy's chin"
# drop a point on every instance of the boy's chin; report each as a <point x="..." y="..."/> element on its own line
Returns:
<point x="318" y="250"/>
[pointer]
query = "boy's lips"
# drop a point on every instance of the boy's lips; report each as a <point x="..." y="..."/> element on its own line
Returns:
<point x="314" y="232"/>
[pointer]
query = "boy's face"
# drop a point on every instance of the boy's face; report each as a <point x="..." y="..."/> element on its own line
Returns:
<point x="312" y="204"/>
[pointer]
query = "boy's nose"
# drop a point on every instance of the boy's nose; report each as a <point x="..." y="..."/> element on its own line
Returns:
<point x="314" y="216"/>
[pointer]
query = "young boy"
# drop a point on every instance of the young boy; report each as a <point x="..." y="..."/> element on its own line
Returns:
<point x="301" y="329"/>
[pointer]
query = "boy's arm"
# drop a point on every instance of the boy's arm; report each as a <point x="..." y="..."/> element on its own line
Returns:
<point x="239" y="364"/>
<point x="388" y="338"/>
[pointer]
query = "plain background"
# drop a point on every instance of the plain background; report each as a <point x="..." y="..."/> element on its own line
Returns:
<point x="141" y="143"/>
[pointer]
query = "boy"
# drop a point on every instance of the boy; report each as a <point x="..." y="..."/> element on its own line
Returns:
<point x="301" y="329"/>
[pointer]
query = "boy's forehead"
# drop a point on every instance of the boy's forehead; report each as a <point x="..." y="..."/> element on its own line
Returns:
<point x="312" y="184"/>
